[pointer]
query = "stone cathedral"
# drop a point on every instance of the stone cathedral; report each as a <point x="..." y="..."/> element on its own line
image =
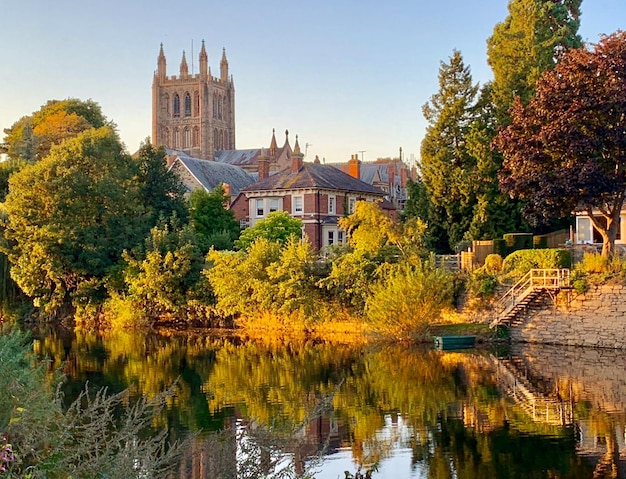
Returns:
<point x="194" y="113"/>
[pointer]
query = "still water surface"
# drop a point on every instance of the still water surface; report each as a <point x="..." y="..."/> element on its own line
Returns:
<point x="519" y="412"/>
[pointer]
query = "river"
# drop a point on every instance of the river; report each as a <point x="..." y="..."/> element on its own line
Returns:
<point x="402" y="412"/>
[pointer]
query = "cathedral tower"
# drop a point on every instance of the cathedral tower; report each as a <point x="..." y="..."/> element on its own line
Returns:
<point x="193" y="112"/>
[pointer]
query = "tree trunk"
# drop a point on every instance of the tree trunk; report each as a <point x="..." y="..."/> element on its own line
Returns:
<point x="608" y="231"/>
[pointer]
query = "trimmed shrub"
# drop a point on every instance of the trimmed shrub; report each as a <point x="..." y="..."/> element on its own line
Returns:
<point x="520" y="262"/>
<point x="493" y="264"/>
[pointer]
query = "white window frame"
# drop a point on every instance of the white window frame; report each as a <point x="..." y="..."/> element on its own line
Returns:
<point x="260" y="212"/>
<point x="330" y="237"/>
<point x="340" y="237"/>
<point x="297" y="211"/>
<point x="273" y="205"/>
<point x="332" y="204"/>
<point x="351" y="204"/>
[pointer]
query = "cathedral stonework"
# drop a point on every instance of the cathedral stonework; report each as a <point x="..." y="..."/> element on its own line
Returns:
<point x="193" y="113"/>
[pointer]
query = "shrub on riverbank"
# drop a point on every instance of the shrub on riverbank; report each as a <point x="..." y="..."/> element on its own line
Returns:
<point x="408" y="298"/>
<point x="42" y="439"/>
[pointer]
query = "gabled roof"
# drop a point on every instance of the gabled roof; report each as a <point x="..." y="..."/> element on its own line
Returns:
<point x="238" y="157"/>
<point x="211" y="174"/>
<point x="374" y="172"/>
<point x="314" y="175"/>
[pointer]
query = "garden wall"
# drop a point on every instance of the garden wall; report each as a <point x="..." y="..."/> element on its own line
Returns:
<point x="596" y="318"/>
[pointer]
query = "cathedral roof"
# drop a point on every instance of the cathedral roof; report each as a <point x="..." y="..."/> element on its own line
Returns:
<point x="211" y="174"/>
<point x="238" y="157"/>
<point x="314" y="175"/>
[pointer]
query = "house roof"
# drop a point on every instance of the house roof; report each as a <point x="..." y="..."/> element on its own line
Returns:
<point x="314" y="175"/>
<point x="211" y="174"/>
<point x="238" y="157"/>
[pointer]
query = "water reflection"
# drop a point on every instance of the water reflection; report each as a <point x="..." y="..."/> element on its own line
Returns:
<point x="407" y="412"/>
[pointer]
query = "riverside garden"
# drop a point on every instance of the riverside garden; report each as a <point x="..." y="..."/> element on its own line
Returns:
<point x="319" y="354"/>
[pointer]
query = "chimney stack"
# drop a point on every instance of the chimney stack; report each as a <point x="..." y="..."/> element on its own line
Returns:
<point x="264" y="165"/>
<point x="354" y="167"/>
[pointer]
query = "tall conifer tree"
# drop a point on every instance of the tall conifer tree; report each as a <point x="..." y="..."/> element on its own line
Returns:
<point x="446" y="164"/>
<point x="531" y="39"/>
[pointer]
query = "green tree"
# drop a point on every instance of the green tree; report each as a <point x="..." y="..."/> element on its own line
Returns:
<point x="446" y="162"/>
<point x="408" y="298"/>
<point x="565" y="150"/>
<point x="162" y="282"/>
<point x="240" y="280"/>
<point x="278" y="226"/>
<point x="494" y="213"/>
<point x="211" y="218"/>
<point x="534" y="35"/>
<point x="162" y="191"/>
<point x="71" y="216"/>
<point x="31" y="137"/>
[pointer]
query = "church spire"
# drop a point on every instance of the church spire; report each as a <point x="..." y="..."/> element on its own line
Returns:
<point x="204" y="61"/>
<point x="273" y="144"/>
<point x="296" y="157"/>
<point x="224" y="66"/>
<point x="184" y="69"/>
<point x="161" y="64"/>
<point x="296" y="148"/>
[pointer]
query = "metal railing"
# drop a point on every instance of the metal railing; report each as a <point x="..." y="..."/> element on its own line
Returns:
<point x="531" y="281"/>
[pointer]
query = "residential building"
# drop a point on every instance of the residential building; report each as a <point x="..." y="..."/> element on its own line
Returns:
<point x="318" y="194"/>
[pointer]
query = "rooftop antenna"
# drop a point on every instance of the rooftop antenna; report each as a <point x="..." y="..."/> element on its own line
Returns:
<point x="362" y="151"/>
<point x="306" y="148"/>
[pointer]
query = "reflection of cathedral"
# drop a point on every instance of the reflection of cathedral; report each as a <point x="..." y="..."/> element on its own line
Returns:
<point x="194" y="113"/>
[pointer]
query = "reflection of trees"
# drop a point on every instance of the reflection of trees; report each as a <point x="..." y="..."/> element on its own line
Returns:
<point x="444" y="406"/>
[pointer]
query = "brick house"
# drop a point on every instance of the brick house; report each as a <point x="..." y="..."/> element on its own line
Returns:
<point x="317" y="194"/>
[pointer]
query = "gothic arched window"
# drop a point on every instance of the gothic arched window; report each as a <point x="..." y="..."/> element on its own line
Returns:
<point x="195" y="137"/>
<point x="187" y="104"/>
<point x="197" y="103"/>
<point x="215" y="146"/>
<point x="176" y="106"/>
<point x="186" y="138"/>
<point x="214" y="105"/>
<point x="176" y="138"/>
<point x="219" y="108"/>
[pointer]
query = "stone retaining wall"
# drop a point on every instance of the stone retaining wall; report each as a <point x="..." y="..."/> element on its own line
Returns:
<point x="596" y="319"/>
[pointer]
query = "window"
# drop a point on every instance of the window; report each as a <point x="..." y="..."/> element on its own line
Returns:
<point x="186" y="138"/>
<point x="176" y="106"/>
<point x="195" y="141"/>
<point x="331" y="204"/>
<point x="176" y="138"/>
<point x="331" y="238"/>
<point x="351" y="203"/>
<point x="339" y="237"/>
<point x="274" y="205"/>
<point x="260" y="210"/>
<point x="196" y="96"/>
<point x="187" y="104"/>
<point x="298" y="206"/>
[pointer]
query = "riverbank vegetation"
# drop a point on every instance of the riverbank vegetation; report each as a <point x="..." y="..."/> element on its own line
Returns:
<point x="107" y="239"/>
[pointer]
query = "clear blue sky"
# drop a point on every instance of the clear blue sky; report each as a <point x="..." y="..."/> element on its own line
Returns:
<point x="344" y="75"/>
